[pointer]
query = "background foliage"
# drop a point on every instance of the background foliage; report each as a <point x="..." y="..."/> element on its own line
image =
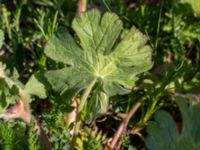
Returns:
<point x="172" y="28"/>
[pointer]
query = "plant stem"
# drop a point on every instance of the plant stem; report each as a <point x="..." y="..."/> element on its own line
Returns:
<point x="80" y="108"/>
<point x="86" y="94"/>
<point x="24" y="99"/>
<point x="82" y="6"/>
<point x="158" y="27"/>
<point x="146" y="118"/>
<point x="124" y="124"/>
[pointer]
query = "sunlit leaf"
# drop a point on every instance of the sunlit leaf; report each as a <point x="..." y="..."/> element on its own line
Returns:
<point x="35" y="87"/>
<point x="98" y="55"/>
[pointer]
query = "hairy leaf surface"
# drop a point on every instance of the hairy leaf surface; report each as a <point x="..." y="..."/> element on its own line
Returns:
<point x="96" y="53"/>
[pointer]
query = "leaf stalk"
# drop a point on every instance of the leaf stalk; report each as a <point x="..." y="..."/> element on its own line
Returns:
<point x="79" y="111"/>
<point x="82" y="6"/>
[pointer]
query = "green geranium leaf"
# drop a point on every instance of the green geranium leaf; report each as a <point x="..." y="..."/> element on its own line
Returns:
<point x="98" y="54"/>
<point x="35" y="86"/>
<point x="163" y="133"/>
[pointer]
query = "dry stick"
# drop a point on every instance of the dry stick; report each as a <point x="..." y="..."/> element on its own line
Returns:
<point x="124" y="124"/>
<point x="82" y="6"/>
<point x="24" y="100"/>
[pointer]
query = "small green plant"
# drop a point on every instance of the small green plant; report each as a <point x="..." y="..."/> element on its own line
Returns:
<point x="15" y="99"/>
<point x="90" y="140"/>
<point x="77" y="79"/>
<point x="98" y="60"/>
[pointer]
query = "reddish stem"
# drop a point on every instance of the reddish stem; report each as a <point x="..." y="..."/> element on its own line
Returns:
<point x="124" y="124"/>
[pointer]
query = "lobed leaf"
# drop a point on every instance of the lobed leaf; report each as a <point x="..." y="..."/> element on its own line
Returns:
<point x="97" y="54"/>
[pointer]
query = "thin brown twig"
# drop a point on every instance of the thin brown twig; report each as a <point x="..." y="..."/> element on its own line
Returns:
<point x="82" y="6"/>
<point x="24" y="99"/>
<point x="124" y="125"/>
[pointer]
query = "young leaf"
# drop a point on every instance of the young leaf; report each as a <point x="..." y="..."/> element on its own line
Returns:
<point x="163" y="133"/>
<point x="35" y="87"/>
<point x="98" y="55"/>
